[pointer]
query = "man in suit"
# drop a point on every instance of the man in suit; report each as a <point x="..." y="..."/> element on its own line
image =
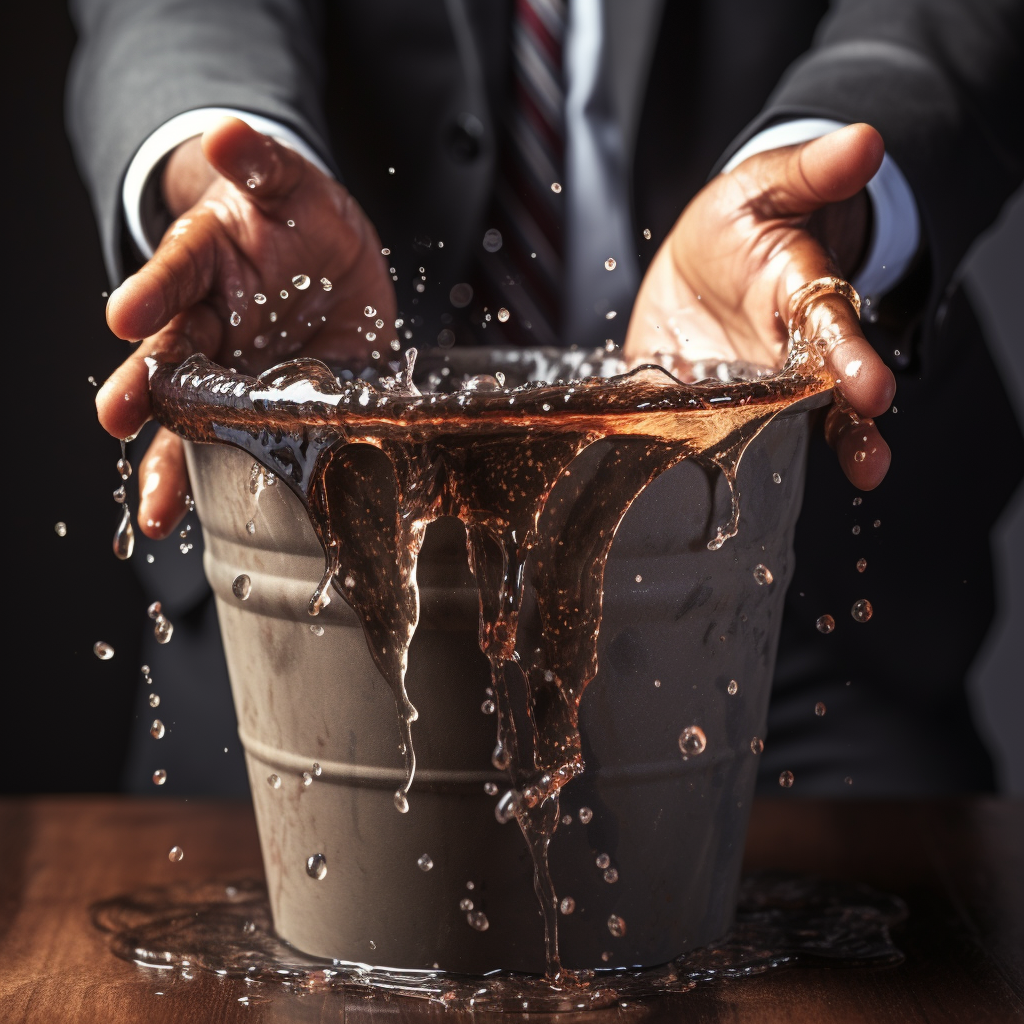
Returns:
<point x="203" y="131"/>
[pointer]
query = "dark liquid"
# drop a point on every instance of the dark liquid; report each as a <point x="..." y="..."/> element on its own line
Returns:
<point x="491" y="457"/>
<point x="780" y="922"/>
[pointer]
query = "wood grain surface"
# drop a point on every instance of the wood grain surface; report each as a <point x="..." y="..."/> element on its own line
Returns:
<point x="958" y="864"/>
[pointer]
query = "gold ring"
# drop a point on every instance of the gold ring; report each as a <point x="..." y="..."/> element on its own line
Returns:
<point x="800" y="301"/>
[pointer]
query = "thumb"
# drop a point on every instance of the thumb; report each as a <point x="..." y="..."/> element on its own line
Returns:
<point x="797" y="180"/>
<point x="263" y="169"/>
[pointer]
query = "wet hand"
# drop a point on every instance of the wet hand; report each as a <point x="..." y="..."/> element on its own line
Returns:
<point x="722" y="285"/>
<point x="268" y="259"/>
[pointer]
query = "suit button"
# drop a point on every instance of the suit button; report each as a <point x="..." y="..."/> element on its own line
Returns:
<point x="464" y="138"/>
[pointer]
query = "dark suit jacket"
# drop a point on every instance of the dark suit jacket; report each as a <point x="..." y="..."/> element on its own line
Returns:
<point x="417" y="84"/>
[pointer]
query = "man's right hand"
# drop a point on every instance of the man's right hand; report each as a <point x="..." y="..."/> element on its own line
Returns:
<point x="253" y="218"/>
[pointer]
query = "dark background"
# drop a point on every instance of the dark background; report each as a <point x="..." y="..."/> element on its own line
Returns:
<point x="65" y="716"/>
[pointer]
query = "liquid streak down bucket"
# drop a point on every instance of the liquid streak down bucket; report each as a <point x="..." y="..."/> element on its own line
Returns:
<point x="680" y="622"/>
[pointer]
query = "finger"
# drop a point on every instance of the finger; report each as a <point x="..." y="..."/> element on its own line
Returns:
<point x="163" y="484"/>
<point x="122" y="403"/>
<point x="863" y="454"/>
<point x="798" y="179"/>
<point x="180" y="274"/>
<point x="863" y="379"/>
<point x="262" y="168"/>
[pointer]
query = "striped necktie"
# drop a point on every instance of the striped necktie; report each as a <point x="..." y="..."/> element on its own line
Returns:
<point x="521" y="254"/>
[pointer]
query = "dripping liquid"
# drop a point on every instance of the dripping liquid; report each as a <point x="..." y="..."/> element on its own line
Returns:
<point x="490" y="455"/>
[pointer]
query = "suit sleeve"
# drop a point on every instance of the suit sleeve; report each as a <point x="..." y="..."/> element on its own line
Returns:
<point x="941" y="80"/>
<point x="138" y="64"/>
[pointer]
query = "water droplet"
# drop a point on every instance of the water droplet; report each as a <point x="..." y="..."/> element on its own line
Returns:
<point x="733" y="688"/>
<point x="487" y="707"/>
<point x="471" y="886"/>
<point x="499" y="757"/>
<point x="611" y="876"/>
<point x="465" y="904"/>
<point x="120" y="494"/>
<point x="175" y="854"/>
<point x="124" y="536"/>
<point x="274" y="781"/>
<point x="568" y="905"/>
<point x="154" y="609"/>
<point x="855" y="531"/>
<point x="862" y="610"/>
<point x="61" y="529"/>
<point x="301" y="281"/>
<point x="316" y="629"/>
<point x="756" y="745"/>
<point x="157" y="730"/>
<point x="603" y="860"/>
<point x="235" y="318"/>
<point x="777" y="477"/>
<point x="858" y="500"/>
<point x="785" y="779"/>
<point x="492" y="240"/>
<point x="692" y="741"/>
<point x="617" y="926"/>
<point x="316" y="866"/>
<point x="862" y="564"/>
<point x="159" y="777"/>
<point x="609" y="264"/>
<point x="163" y="630"/>
<point x="290" y="223"/>
<point x="638" y="578"/>
<point x="555" y="187"/>
<point x="848" y="781"/>
<point x="762" y="575"/>
<point x="491" y="788"/>
<point x="478" y="919"/>
<point x="505" y="808"/>
<point x="252" y="182"/>
<point x="259" y="298"/>
<point x="307" y="779"/>
<point x="877" y="523"/>
<point x="124" y="468"/>
<point x="503" y="314"/>
<point x="647" y="233"/>
<point x="102" y="650"/>
<point x="241" y="587"/>
<point x="825" y="624"/>
<point x="372" y="336"/>
<point x="317" y="770"/>
<point x="585" y="815"/>
<point x="425" y="863"/>
<point x="250" y="527"/>
<point x="401" y="802"/>
<point x="657" y="684"/>
<point x="154" y="700"/>
<point x="369" y="311"/>
<point x="819" y="709"/>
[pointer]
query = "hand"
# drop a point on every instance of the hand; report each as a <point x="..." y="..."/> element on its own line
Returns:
<point x="721" y="284"/>
<point x="233" y="240"/>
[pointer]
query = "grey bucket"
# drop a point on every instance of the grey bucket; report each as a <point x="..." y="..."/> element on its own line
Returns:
<point x="673" y="828"/>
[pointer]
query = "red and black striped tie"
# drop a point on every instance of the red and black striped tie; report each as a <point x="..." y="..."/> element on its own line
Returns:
<point x="522" y="251"/>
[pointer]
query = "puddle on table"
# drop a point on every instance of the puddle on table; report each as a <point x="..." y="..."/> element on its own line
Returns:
<point x="226" y="929"/>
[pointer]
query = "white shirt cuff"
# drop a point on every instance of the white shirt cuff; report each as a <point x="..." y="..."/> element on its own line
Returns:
<point x="170" y="135"/>
<point x="896" y="227"/>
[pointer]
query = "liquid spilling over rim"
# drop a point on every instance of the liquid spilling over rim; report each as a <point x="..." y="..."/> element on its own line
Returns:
<point x="489" y="455"/>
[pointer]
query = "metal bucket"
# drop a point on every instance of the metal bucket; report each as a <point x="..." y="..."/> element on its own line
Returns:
<point x="680" y="622"/>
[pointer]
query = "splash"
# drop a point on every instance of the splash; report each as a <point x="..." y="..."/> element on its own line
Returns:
<point x="490" y="455"/>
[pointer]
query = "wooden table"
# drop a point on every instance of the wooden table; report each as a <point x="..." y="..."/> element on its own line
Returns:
<point x="958" y="864"/>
